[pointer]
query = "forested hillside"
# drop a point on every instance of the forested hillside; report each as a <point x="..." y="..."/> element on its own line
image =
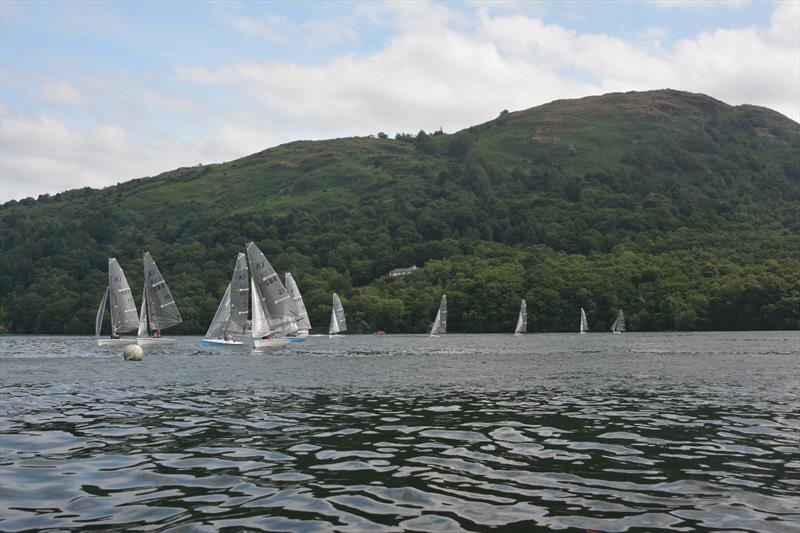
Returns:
<point x="676" y="207"/>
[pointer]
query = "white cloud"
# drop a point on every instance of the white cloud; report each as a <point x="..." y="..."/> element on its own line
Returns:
<point x="441" y="67"/>
<point x="61" y="92"/>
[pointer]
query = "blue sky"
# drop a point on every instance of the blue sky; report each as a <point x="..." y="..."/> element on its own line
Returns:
<point x="95" y="93"/>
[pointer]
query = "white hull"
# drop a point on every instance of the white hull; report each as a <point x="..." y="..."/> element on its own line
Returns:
<point x="116" y="342"/>
<point x="155" y="341"/>
<point x="270" y="343"/>
<point x="335" y="336"/>
<point x="221" y="342"/>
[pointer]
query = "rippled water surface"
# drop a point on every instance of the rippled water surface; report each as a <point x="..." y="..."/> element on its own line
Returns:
<point x="465" y="432"/>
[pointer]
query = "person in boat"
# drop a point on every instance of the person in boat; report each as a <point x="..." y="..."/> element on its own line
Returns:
<point x="380" y="332"/>
<point x="114" y="334"/>
<point x="267" y="336"/>
<point x="157" y="334"/>
<point x="226" y="335"/>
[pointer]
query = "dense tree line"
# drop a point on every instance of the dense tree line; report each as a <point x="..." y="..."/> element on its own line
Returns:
<point x="682" y="212"/>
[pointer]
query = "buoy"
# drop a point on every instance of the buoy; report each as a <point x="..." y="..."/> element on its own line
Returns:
<point x="133" y="352"/>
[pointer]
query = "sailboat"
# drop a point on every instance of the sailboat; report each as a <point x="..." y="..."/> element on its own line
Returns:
<point x="121" y="307"/>
<point x="303" y="323"/>
<point x="584" y="323"/>
<point x="274" y="311"/>
<point x="159" y="310"/>
<point x="522" y="320"/>
<point x="230" y="321"/>
<point x="440" y="323"/>
<point x="338" y="322"/>
<point x="619" y="324"/>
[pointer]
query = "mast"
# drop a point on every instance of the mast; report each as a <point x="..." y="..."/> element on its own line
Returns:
<point x="162" y="312"/>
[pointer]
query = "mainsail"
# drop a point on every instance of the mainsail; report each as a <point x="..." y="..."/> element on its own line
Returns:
<point x="440" y="323"/>
<point x="123" y="308"/>
<point x="240" y="295"/>
<point x="98" y="321"/>
<point x="584" y="323"/>
<point x="303" y="323"/>
<point x="619" y="324"/>
<point x="338" y="321"/>
<point x="162" y="312"/>
<point x="279" y="307"/>
<point x="522" y="321"/>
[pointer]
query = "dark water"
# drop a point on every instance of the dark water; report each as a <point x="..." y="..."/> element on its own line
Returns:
<point x="465" y="432"/>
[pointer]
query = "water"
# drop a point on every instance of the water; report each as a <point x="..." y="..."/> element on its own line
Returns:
<point x="464" y="432"/>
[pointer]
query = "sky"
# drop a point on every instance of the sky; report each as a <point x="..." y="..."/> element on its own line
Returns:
<point x="97" y="93"/>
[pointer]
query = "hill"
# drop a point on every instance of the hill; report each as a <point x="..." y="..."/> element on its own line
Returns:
<point x="676" y="207"/>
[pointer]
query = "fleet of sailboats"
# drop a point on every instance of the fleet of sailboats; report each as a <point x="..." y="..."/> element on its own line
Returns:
<point x="338" y="321"/>
<point x="440" y="322"/>
<point x="255" y="301"/>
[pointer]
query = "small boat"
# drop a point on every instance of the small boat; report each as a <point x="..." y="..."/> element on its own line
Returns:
<point x="159" y="310"/>
<point x="522" y="319"/>
<point x="274" y="312"/>
<point x="584" y="323"/>
<point x="338" y="321"/>
<point x="619" y="324"/>
<point x="440" y="322"/>
<point x="121" y="306"/>
<point x="231" y="316"/>
<point x="303" y="323"/>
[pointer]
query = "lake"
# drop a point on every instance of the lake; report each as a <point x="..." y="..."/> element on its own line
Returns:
<point x="640" y="431"/>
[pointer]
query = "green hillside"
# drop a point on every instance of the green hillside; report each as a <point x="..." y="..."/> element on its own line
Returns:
<point x="676" y="207"/>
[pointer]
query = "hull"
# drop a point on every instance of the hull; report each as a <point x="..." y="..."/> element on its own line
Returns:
<point x="295" y="339"/>
<point x="270" y="343"/>
<point x="335" y="336"/>
<point x="116" y="342"/>
<point x="221" y="342"/>
<point x="153" y="341"/>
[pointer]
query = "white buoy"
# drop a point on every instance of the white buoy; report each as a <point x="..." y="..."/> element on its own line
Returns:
<point x="133" y="352"/>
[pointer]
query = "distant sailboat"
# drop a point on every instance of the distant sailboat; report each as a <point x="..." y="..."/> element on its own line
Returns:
<point x="522" y="320"/>
<point x="303" y="323"/>
<point x="230" y="321"/>
<point x="274" y="311"/>
<point x="440" y="323"/>
<point x="121" y="307"/>
<point x="338" y="321"/>
<point x="584" y="323"/>
<point x="159" y="310"/>
<point x="619" y="324"/>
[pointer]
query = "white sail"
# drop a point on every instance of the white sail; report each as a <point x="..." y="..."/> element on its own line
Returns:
<point x="619" y="324"/>
<point x="98" y="321"/>
<point x="440" y="323"/>
<point x="338" y="310"/>
<point x="142" y="332"/>
<point x="522" y="320"/>
<point x="584" y="323"/>
<point x="303" y="323"/>
<point x="279" y="307"/>
<point x="123" y="308"/>
<point x="260" y="326"/>
<point x="221" y="323"/>
<point x="334" y="327"/>
<point x="162" y="312"/>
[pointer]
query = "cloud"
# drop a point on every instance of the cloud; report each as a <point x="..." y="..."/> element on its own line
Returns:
<point x="61" y="92"/>
<point x="439" y="66"/>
